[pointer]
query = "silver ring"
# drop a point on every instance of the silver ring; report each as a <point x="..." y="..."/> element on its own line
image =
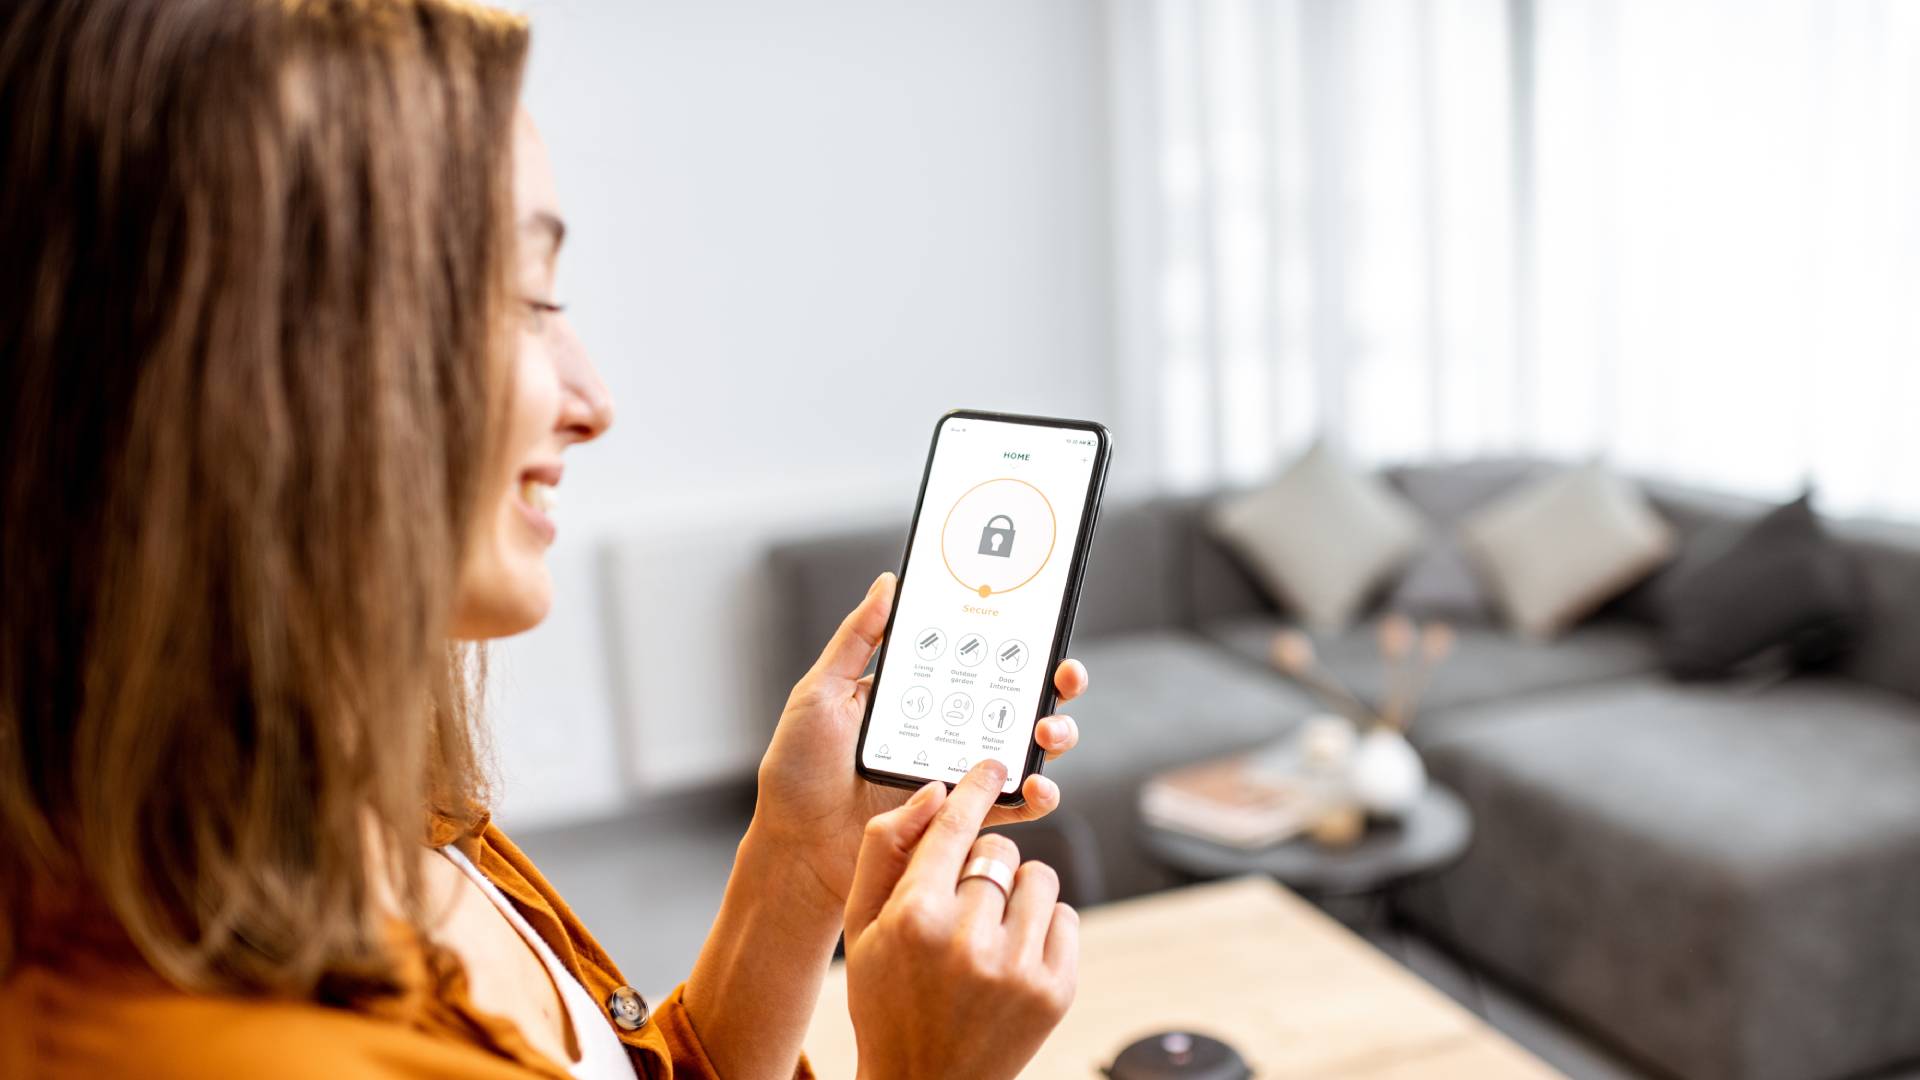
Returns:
<point x="992" y="870"/>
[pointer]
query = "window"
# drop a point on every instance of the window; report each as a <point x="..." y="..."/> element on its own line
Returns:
<point x="1684" y="234"/>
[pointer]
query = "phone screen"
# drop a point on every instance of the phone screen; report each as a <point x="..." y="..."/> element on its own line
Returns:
<point x="967" y="665"/>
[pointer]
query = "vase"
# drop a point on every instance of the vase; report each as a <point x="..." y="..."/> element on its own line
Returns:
<point x="1385" y="773"/>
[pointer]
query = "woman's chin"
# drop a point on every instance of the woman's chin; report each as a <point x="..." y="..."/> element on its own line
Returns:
<point x="502" y="608"/>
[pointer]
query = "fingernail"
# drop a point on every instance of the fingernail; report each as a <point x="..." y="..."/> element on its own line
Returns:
<point x="920" y="797"/>
<point x="998" y="770"/>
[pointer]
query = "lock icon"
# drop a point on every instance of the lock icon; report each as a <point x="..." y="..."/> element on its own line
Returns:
<point x="995" y="540"/>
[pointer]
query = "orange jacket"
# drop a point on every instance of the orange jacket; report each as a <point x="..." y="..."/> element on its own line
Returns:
<point x="84" y="1020"/>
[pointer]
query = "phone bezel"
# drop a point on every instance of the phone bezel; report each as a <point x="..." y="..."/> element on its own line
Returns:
<point x="1069" y="602"/>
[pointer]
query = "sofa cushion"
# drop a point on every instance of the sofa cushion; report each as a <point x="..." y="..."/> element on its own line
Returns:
<point x="1440" y="582"/>
<point x="1323" y="535"/>
<point x="1557" y="549"/>
<point x="1704" y="875"/>
<point x="1487" y="663"/>
<point x="814" y="582"/>
<point x="1450" y="491"/>
<point x="1209" y="578"/>
<point x="1690" y="513"/>
<point x="1886" y="554"/>
<point x="1888" y="558"/>
<point x="1154" y="701"/>
<point x="1781" y="589"/>
<point x="1129" y="585"/>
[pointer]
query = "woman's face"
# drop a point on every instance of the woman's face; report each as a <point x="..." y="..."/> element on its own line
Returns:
<point x="557" y="400"/>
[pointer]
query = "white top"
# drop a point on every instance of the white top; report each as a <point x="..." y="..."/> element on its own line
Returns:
<point x="602" y="1055"/>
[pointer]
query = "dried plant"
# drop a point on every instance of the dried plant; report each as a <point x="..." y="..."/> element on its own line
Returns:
<point x="1293" y="653"/>
<point x="1409" y="653"/>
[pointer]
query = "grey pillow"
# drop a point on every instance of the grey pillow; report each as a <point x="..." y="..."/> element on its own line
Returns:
<point x="1440" y="582"/>
<point x="1778" y="593"/>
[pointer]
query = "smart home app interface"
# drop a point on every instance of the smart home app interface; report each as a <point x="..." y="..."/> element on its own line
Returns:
<point x="980" y="601"/>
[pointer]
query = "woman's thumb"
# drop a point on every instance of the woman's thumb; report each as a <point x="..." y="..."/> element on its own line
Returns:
<point x="846" y="655"/>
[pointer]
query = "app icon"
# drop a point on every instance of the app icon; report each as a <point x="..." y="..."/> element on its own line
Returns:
<point x="995" y="539"/>
<point x="971" y="650"/>
<point x="957" y="709"/>
<point x="930" y="644"/>
<point x="916" y="702"/>
<point x="1012" y="656"/>
<point x="997" y="715"/>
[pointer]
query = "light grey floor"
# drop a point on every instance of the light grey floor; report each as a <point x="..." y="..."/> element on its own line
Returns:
<point x="649" y="883"/>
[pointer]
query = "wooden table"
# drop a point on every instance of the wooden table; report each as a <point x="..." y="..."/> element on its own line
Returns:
<point x="1246" y="961"/>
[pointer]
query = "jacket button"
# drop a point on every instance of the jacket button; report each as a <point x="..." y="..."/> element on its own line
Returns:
<point x="628" y="1008"/>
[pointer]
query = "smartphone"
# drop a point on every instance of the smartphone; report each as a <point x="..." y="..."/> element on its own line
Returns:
<point x="989" y="585"/>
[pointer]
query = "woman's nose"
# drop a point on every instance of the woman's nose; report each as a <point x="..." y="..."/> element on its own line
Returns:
<point x="587" y="409"/>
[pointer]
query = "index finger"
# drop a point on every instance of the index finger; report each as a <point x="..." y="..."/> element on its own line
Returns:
<point x="936" y="861"/>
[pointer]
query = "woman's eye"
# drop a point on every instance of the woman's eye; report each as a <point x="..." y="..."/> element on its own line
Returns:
<point x="538" y="310"/>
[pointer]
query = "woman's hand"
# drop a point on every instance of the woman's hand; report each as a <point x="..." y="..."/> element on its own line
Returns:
<point x="948" y="977"/>
<point x="812" y="804"/>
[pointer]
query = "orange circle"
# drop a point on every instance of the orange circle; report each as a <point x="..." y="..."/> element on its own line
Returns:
<point x="1053" y="537"/>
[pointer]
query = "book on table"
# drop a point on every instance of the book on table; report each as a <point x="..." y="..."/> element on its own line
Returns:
<point x="1244" y="801"/>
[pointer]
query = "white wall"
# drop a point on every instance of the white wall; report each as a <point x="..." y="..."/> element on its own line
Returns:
<point x="798" y="232"/>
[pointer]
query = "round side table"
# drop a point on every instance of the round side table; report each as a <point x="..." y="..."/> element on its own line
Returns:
<point x="1429" y="838"/>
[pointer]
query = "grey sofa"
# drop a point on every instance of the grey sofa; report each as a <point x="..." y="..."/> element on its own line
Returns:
<point x="1723" y="880"/>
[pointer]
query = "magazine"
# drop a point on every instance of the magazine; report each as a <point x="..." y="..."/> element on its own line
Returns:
<point x="1243" y="801"/>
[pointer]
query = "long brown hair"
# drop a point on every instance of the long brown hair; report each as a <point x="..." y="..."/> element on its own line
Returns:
<point x="254" y="263"/>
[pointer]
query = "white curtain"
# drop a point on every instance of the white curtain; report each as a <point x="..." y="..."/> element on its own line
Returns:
<point x="1682" y="234"/>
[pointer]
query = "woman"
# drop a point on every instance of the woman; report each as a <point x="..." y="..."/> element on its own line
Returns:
<point x="284" y="395"/>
